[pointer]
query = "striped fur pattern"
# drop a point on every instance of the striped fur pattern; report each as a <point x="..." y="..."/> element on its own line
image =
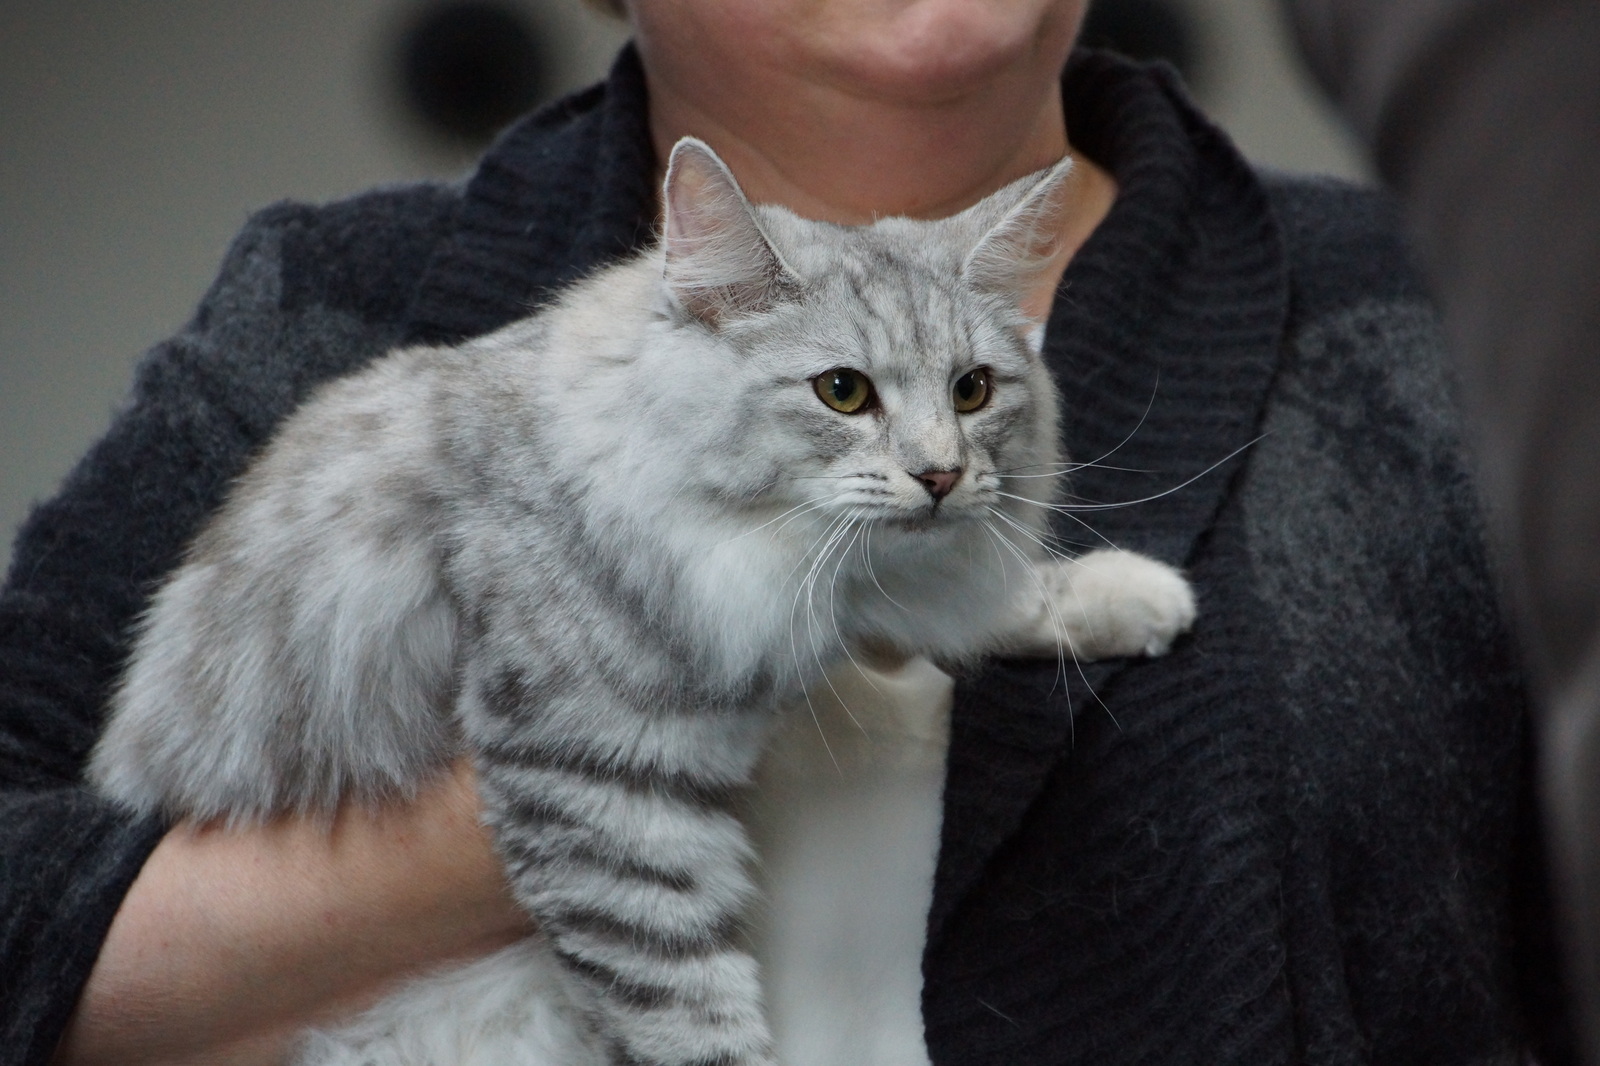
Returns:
<point x="597" y="551"/>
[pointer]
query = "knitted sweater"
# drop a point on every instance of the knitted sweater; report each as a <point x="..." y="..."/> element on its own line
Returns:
<point x="1293" y="839"/>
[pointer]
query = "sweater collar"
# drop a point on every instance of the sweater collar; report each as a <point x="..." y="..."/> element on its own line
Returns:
<point x="1164" y="335"/>
<point x="560" y="194"/>
<point x="1163" y="340"/>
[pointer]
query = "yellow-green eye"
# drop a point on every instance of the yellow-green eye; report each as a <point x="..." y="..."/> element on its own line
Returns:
<point x="846" y="391"/>
<point x="971" y="390"/>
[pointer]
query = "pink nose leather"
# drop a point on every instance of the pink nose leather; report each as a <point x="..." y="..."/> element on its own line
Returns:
<point x="938" y="482"/>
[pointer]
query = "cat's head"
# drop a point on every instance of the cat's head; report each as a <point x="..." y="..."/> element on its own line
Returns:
<point x="890" y="373"/>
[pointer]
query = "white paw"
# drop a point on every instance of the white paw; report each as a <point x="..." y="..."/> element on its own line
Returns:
<point x="1104" y="605"/>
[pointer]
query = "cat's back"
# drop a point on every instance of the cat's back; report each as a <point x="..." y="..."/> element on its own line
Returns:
<point x="415" y="425"/>
<point x="303" y="650"/>
<point x="538" y="386"/>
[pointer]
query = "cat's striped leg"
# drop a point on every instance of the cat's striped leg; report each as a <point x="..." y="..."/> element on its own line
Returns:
<point x="617" y="829"/>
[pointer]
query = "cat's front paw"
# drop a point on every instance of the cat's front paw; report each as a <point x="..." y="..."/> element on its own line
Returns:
<point x="1104" y="605"/>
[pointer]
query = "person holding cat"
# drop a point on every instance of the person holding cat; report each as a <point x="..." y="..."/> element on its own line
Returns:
<point x="1295" y="837"/>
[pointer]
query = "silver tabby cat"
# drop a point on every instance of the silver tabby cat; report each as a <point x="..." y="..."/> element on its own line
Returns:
<point x="598" y="550"/>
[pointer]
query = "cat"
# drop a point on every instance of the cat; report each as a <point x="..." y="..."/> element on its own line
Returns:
<point x="597" y="550"/>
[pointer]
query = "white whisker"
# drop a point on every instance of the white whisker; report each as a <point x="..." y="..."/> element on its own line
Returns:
<point x="834" y="619"/>
<point x="836" y="533"/>
<point x="1064" y="507"/>
<point x="1033" y="536"/>
<point x="1005" y="579"/>
<point x="1068" y="468"/>
<point x="1064" y="645"/>
<point x="866" y="555"/>
<point x="1063" y="638"/>
<point x="802" y="507"/>
<point x="824" y="539"/>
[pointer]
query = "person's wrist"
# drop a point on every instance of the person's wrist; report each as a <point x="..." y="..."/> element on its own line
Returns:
<point x="231" y="941"/>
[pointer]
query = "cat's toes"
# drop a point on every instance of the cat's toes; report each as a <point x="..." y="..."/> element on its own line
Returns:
<point x="1106" y="605"/>
<point x="1165" y="611"/>
<point x="1135" y="605"/>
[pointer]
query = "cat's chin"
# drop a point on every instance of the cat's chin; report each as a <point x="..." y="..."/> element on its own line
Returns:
<point x="921" y="520"/>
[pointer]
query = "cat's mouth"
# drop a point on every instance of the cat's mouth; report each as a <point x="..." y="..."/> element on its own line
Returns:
<point x="929" y="517"/>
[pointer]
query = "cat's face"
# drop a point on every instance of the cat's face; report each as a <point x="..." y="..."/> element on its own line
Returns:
<point x="882" y="374"/>
<point x="889" y="394"/>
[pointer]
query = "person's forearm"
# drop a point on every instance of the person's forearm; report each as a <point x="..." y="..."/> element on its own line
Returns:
<point x="231" y="942"/>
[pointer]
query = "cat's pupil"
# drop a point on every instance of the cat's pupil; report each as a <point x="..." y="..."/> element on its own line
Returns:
<point x="971" y="390"/>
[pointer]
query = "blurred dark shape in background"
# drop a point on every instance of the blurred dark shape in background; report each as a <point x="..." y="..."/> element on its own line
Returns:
<point x="1149" y="29"/>
<point x="467" y="68"/>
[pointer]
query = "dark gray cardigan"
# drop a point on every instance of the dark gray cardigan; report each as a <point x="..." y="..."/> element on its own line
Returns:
<point x="1292" y="839"/>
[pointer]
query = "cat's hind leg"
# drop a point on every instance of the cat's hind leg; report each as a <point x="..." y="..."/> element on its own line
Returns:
<point x="1102" y="605"/>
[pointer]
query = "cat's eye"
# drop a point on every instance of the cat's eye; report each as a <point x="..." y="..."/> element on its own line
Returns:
<point x="971" y="390"/>
<point x="846" y="391"/>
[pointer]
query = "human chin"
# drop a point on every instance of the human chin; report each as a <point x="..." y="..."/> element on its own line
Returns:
<point x="928" y="49"/>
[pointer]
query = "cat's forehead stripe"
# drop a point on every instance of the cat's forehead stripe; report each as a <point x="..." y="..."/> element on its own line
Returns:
<point x="899" y="306"/>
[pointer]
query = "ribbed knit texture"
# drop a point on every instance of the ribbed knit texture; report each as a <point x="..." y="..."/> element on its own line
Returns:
<point x="504" y="261"/>
<point x="1163" y="340"/>
<point x="1287" y="841"/>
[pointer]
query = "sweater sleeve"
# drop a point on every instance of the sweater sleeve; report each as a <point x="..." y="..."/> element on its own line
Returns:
<point x="1484" y="115"/>
<point x="304" y="294"/>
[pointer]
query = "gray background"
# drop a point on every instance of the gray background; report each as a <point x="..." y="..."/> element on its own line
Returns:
<point x="136" y="137"/>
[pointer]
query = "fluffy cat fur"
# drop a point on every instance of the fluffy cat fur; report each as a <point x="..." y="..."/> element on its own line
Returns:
<point x="597" y="550"/>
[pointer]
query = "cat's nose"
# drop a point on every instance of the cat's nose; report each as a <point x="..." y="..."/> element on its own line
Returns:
<point x="939" y="482"/>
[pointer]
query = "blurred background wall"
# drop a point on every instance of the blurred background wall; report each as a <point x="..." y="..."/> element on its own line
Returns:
<point x="135" y="139"/>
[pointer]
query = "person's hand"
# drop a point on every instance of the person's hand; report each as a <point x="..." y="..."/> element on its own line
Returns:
<point x="232" y="941"/>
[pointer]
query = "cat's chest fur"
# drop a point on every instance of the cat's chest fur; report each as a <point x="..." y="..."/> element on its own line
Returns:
<point x="845" y="818"/>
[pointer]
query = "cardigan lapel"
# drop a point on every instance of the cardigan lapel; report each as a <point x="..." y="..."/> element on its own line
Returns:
<point x="1164" y="339"/>
<point x="562" y="193"/>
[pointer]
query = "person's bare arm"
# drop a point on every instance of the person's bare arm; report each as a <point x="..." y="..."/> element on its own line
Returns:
<point x="230" y="942"/>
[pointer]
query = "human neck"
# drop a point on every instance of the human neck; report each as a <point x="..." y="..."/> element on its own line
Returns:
<point x="833" y="154"/>
<point x="827" y="155"/>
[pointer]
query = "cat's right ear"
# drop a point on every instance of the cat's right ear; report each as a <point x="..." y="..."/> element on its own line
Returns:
<point x="1019" y="256"/>
<point x="719" y="263"/>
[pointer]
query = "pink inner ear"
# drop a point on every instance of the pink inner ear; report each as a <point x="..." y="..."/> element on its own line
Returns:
<point x="1038" y="298"/>
<point x="695" y="184"/>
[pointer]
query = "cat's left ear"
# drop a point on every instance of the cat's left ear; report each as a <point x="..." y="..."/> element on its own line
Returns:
<point x="719" y="262"/>
<point x="1017" y="256"/>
